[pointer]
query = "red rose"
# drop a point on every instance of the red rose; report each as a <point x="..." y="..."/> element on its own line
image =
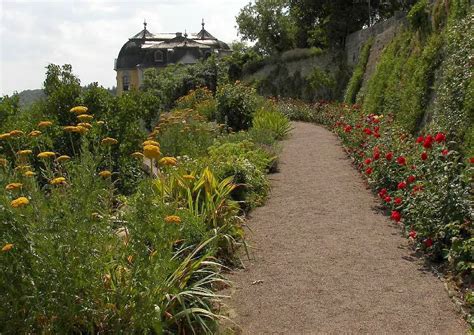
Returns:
<point x="412" y="234"/>
<point x="398" y="201"/>
<point x="417" y="188"/>
<point x="367" y="131"/>
<point x="368" y="171"/>
<point x="445" y="152"/>
<point x="389" y="156"/>
<point x="401" y="185"/>
<point x="440" y="137"/>
<point x="377" y="135"/>
<point x="471" y="160"/>
<point x="424" y="156"/>
<point x="420" y="139"/>
<point x="427" y="143"/>
<point x="382" y="192"/>
<point x="428" y="242"/>
<point x="368" y="161"/>
<point x="401" y="160"/>
<point x="411" y="179"/>
<point x="376" y="155"/>
<point x="387" y="199"/>
<point x="376" y="129"/>
<point x="396" y="216"/>
<point x="347" y="129"/>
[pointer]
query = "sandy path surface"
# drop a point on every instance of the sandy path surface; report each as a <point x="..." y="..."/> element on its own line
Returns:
<point x="325" y="261"/>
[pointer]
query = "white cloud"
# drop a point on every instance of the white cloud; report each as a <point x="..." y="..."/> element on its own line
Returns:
<point x="89" y="33"/>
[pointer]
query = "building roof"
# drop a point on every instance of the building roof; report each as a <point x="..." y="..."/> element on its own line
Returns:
<point x="136" y="51"/>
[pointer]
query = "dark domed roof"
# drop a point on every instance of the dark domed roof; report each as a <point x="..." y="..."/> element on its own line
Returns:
<point x="130" y="55"/>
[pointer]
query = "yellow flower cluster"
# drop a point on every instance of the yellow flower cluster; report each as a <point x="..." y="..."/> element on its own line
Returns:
<point x="44" y="124"/>
<point x="7" y="247"/>
<point x="151" y="151"/>
<point x="29" y="174"/>
<point x="109" y="141"/>
<point x="34" y="133"/>
<point x="170" y="161"/>
<point x="19" y="202"/>
<point x="172" y="219"/>
<point x="79" y="110"/>
<point x="63" y="158"/>
<point x="46" y="154"/>
<point x="105" y="174"/>
<point x="138" y="155"/>
<point x="24" y="152"/>
<point x="13" y="186"/>
<point x="58" y="181"/>
<point x="14" y="133"/>
<point x="85" y="117"/>
<point x="4" y="136"/>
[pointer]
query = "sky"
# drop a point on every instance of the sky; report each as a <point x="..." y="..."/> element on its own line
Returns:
<point x="88" y="34"/>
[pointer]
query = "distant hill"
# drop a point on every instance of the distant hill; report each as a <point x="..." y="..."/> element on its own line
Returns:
<point x="27" y="97"/>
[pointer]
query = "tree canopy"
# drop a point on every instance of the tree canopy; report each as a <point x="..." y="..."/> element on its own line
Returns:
<point x="279" y="25"/>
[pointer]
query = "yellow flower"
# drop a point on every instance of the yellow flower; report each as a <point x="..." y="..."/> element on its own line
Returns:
<point x="13" y="186"/>
<point x="71" y="129"/>
<point x="105" y="174"/>
<point x="173" y="219"/>
<point x="85" y="117"/>
<point x="20" y="202"/>
<point x="82" y="130"/>
<point x="189" y="177"/>
<point x="171" y="161"/>
<point x="7" y="247"/>
<point x="34" y="133"/>
<point x="4" y="136"/>
<point x="58" y="181"/>
<point x="46" y="154"/>
<point x="16" y="133"/>
<point x="85" y="125"/>
<point x="63" y="158"/>
<point x="151" y="151"/>
<point x="29" y="174"/>
<point x="23" y="167"/>
<point x="150" y="142"/>
<point x="79" y="109"/>
<point x="138" y="155"/>
<point x="44" y="124"/>
<point x="24" y="152"/>
<point x="100" y="122"/>
<point x="109" y="141"/>
<point x="3" y="162"/>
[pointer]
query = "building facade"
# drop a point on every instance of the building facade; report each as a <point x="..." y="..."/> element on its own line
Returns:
<point x="147" y="50"/>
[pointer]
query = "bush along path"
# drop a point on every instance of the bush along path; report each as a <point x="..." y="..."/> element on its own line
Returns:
<point x="325" y="258"/>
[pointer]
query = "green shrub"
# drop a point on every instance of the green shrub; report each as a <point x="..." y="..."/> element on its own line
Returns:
<point x="355" y="82"/>
<point x="236" y="104"/>
<point x="418" y="16"/>
<point x="273" y="121"/>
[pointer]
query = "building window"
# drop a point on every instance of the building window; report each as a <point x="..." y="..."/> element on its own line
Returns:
<point x="126" y="82"/>
<point x="158" y="56"/>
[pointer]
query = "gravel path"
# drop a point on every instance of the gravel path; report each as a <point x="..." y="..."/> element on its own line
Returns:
<point x="324" y="260"/>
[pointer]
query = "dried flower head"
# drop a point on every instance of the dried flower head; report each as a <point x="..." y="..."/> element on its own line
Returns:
<point x="79" y="109"/>
<point x="13" y="186"/>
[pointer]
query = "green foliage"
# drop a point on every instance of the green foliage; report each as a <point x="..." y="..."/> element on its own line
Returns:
<point x="355" y="82"/>
<point x="236" y="104"/>
<point x="174" y="81"/>
<point x="418" y="16"/>
<point x="185" y="133"/>
<point x="9" y="107"/>
<point x="454" y="103"/>
<point x="273" y="121"/>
